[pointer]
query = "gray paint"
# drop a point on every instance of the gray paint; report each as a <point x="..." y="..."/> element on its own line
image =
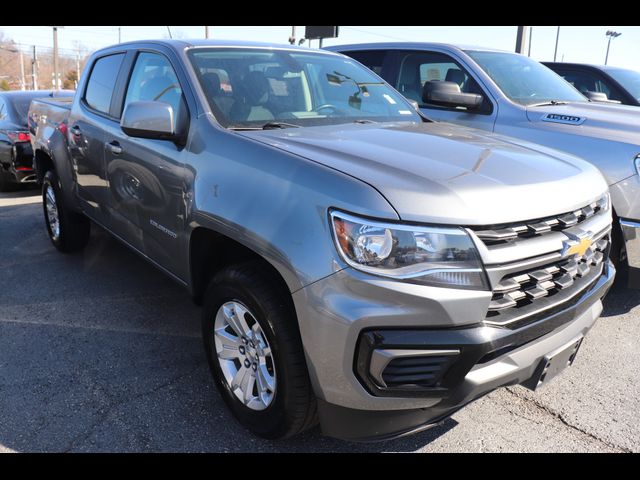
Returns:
<point x="272" y="191"/>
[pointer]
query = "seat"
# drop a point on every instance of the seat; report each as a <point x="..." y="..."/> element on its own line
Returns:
<point x="457" y="76"/>
<point x="409" y="84"/>
<point x="213" y="90"/>
<point x="251" y="107"/>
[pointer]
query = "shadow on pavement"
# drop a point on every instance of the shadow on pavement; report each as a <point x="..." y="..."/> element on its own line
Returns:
<point x="620" y="300"/>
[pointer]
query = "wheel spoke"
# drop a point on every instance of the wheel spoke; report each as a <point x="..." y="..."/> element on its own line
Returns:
<point x="239" y="378"/>
<point x="247" y="386"/>
<point x="228" y="345"/>
<point x="235" y="320"/>
<point x="265" y="381"/>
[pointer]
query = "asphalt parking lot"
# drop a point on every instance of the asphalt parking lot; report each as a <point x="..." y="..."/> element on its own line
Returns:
<point x="101" y="352"/>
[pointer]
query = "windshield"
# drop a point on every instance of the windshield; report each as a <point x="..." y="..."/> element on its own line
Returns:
<point x="264" y="88"/>
<point x="524" y="80"/>
<point x="629" y="79"/>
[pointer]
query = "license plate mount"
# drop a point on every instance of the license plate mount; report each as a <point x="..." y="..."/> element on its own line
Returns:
<point x="553" y="364"/>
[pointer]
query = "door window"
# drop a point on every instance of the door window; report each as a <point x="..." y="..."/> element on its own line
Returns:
<point x="102" y="82"/>
<point x="417" y="68"/>
<point x="153" y="79"/>
<point x="372" y="59"/>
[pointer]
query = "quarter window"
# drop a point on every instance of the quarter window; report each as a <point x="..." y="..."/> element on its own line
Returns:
<point x="102" y="82"/>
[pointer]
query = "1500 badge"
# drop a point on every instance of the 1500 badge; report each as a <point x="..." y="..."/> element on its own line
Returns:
<point x="559" y="118"/>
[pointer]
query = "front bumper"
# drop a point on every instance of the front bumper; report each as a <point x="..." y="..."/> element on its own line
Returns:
<point x="631" y="238"/>
<point x="353" y="405"/>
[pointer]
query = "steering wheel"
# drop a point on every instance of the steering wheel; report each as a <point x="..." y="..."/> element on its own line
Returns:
<point x="330" y="106"/>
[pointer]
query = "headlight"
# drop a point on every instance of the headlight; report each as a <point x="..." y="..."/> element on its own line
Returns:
<point x="604" y="202"/>
<point x="442" y="257"/>
<point x="636" y="162"/>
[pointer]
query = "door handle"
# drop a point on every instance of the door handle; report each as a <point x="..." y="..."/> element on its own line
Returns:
<point x="115" y="148"/>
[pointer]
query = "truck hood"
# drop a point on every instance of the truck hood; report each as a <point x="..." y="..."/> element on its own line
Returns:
<point x="607" y="121"/>
<point x="447" y="174"/>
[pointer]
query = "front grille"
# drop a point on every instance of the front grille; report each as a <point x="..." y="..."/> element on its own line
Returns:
<point x="421" y="371"/>
<point x="503" y="233"/>
<point x="519" y="295"/>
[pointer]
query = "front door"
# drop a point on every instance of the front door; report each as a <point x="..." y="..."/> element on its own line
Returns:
<point x="146" y="176"/>
<point x="414" y="68"/>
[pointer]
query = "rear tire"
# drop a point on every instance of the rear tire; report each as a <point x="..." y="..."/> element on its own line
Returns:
<point x="290" y="407"/>
<point x="6" y="182"/>
<point x="68" y="230"/>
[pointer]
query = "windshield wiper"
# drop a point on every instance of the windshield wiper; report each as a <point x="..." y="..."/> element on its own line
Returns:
<point x="548" y="102"/>
<point x="271" y="125"/>
<point x="364" y="120"/>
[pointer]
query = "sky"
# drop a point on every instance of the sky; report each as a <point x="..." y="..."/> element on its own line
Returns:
<point x="576" y="44"/>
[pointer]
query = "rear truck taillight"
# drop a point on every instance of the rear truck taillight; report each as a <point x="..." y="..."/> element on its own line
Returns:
<point x="62" y="126"/>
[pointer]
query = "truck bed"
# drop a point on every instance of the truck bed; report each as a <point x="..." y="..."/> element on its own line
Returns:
<point x="48" y="111"/>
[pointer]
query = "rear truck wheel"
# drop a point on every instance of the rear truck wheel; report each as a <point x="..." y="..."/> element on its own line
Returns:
<point x="255" y="353"/>
<point x="67" y="230"/>
<point x="6" y="182"/>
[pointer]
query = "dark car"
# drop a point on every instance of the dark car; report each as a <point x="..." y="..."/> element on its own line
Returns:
<point x="16" y="156"/>
<point x="618" y="84"/>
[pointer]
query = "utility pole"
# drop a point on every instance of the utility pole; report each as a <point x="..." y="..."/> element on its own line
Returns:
<point x="34" y="67"/>
<point x="56" y="85"/>
<point x="206" y="32"/>
<point x="611" y="34"/>
<point x="119" y="34"/>
<point x="292" y="38"/>
<point x="530" y="40"/>
<point x="521" y="39"/>
<point x="22" y="82"/>
<point x="555" y="53"/>
<point x="77" y="66"/>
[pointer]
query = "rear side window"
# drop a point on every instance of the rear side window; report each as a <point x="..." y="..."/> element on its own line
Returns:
<point x="372" y="59"/>
<point x="102" y="82"/>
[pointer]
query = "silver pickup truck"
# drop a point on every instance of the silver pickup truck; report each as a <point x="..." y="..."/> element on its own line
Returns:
<point x="511" y="94"/>
<point x="358" y="264"/>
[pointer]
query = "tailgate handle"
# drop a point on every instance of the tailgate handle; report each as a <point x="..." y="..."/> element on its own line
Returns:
<point x="75" y="130"/>
<point x="115" y="148"/>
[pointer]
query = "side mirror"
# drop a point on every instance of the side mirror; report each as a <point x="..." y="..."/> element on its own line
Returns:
<point x="414" y="104"/>
<point x="149" y="120"/>
<point x="448" y="94"/>
<point x="599" y="97"/>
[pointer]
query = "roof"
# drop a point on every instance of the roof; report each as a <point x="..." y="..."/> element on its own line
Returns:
<point x="180" y="44"/>
<point x="410" y="45"/>
<point x="589" y="65"/>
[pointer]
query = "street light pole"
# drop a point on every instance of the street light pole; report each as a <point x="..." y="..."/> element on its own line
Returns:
<point x="530" y="40"/>
<point x="206" y="32"/>
<point x="611" y="34"/>
<point x="555" y="53"/>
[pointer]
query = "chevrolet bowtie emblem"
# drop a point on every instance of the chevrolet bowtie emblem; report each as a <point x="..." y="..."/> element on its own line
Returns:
<point x="577" y="245"/>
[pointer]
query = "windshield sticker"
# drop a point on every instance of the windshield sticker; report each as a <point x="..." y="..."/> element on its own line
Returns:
<point x="389" y="99"/>
<point x="404" y="112"/>
<point x="566" y="119"/>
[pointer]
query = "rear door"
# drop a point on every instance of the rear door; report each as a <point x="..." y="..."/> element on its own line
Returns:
<point x="87" y="124"/>
<point x="146" y="176"/>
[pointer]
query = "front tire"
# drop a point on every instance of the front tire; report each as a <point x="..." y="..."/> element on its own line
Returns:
<point x="255" y="353"/>
<point x="68" y="230"/>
